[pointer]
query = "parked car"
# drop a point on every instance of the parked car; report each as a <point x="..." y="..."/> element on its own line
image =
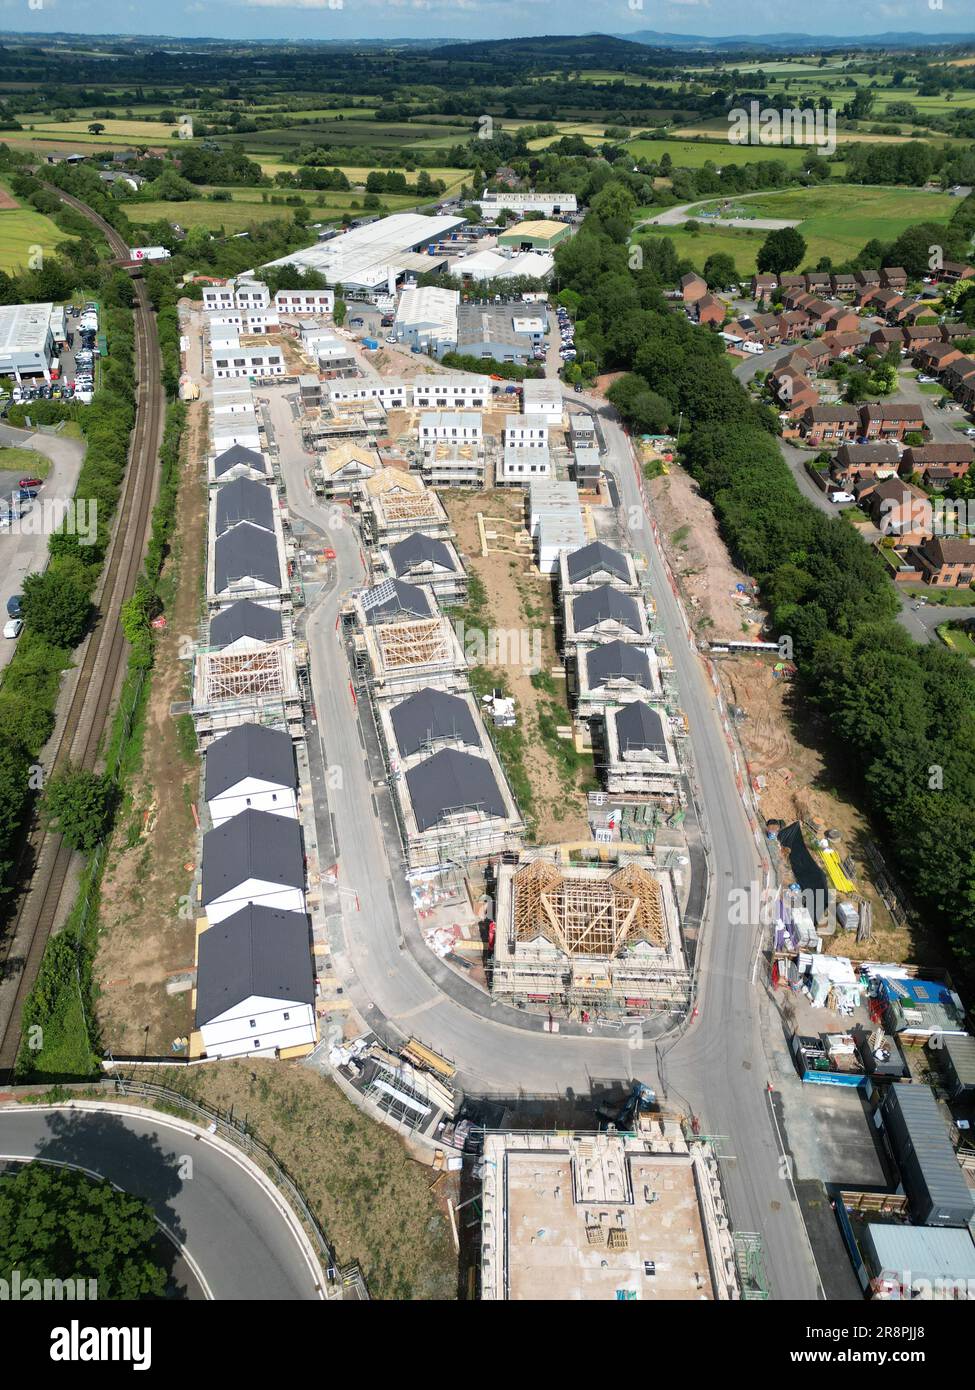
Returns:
<point x="13" y="605"/>
<point x="31" y="482"/>
<point x="927" y="380"/>
<point x="14" y="628"/>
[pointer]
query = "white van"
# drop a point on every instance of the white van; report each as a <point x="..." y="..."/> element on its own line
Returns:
<point x="837" y="497"/>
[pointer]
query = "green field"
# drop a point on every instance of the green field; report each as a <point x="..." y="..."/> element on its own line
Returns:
<point x="22" y="230"/>
<point x="693" y="154"/>
<point x="236" y="216"/>
<point x="836" y="222"/>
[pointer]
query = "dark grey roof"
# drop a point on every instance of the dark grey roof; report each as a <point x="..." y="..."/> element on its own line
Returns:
<point x="246" y="552"/>
<point x="245" y="619"/>
<point x="593" y="557"/>
<point x="418" y="549"/>
<point x="256" y="951"/>
<point x="602" y="603"/>
<point x="407" y="601"/>
<point x="250" y="750"/>
<point x="452" y="781"/>
<point x="618" y="661"/>
<point x="236" y="454"/>
<point x="638" y="725"/>
<point x="244" y="500"/>
<point x="929" y="1170"/>
<point x="254" y="844"/>
<point x="429" y="715"/>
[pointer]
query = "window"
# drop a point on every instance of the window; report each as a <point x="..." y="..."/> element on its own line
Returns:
<point x="252" y="1023"/>
<point x="257" y="1042"/>
<point x="286" y="1017"/>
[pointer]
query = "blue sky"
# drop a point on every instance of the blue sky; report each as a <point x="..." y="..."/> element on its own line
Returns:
<point x="468" y="19"/>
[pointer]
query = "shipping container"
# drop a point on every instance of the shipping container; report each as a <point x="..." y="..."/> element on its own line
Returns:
<point x="930" y="1173"/>
<point x="371" y="343"/>
<point x="148" y="253"/>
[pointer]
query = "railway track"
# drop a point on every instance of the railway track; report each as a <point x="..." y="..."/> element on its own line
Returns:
<point x="78" y="738"/>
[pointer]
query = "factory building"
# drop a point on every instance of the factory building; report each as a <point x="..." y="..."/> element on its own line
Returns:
<point x="426" y="319"/>
<point x="535" y="235"/>
<point x="374" y="257"/>
<point x="547" y="204"/>
<point x="488" y="330"/>
<point x="26" y="341"/>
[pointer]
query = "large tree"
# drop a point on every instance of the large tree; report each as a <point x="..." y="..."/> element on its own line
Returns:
<point x="59" y="1224"/>
<point x="56" y="607"/>
<point x="781" y="250"/>
<point x="79" y="805"/>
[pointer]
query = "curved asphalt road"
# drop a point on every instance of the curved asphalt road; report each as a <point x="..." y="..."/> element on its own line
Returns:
<point x="234" y="1230"/>
<point x="719" y="1066"/>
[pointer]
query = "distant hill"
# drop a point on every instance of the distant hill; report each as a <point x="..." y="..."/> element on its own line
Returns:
<point x="582" y="50"/>
<point x="651" y="38"/>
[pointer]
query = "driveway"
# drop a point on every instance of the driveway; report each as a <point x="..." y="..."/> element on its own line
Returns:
<point x="675" y="217"/>
<point x="237" y="1239"/>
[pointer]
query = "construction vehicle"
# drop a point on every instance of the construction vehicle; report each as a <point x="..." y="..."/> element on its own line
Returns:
<point x="641" y="1101"/>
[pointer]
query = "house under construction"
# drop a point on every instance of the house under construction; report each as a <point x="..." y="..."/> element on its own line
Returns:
<point x="399" y="657"/>
<point x="574" y="937"/>
<point x="452" y="800"/>
<point x="249" y="669"/>
<point x="447" y="463"/>
<point x="642" y="752"/>
<point x="399" y="507"/>
<point x="618" y="1216"/>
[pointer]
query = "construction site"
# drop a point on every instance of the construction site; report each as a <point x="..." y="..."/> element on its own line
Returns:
<point x="601" y="938"/>
<point x="622" y="1216"/>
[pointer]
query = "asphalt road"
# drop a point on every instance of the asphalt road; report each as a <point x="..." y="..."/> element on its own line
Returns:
<point x="237" y="1241"/>
<point x="719" y="1066"/>
<point x="674" y="217"/>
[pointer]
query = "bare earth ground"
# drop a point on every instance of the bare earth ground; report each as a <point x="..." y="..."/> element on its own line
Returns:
<point x="373" y="1200"/>
<point x="519" y="597"/>
<point x="144" y="941"/>
<point x="7" y="199"/>
<point x="790" y="778"/>
<point x="700" y="560"/>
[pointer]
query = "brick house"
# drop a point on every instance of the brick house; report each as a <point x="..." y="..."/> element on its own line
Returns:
<point x="957" y="377"/>
<point x="933" y="358"/>
<point x="898" y="508"/>
<point x="920" y="335"/>
<point x="795" y="392"/>
<point x="791" y="281"/>
<point x="816" y="281"/>
<point x="946" y="562"/>
<point x="950" y="460"/>
<point x="951" y="331"/>
<point x="764" y="286"/>
<point x="798" y="298"/>
<point x="881" y="338"/>
<point x="843" y="344"/>
<point x="854" y="462"/>
<point x="840" y="320"/>
<point x="710" y="310"/>
<point x="957" y="270"/>
<point x="843" y="284"/>
<point x="886" y="302"/>
<point x="830" y="424"/>
<point x="893" y="277"/>
<point x="890" y="421"/>
<point x="817" y="354"/>
<point x="692" y="287"/>
<point x="793" y="323"/>
<point x="865" y="278"/>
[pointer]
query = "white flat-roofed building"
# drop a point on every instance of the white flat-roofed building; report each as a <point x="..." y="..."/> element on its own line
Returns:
<point x="525" y="432"/>
<point x="332" y="354"/>
<point x="233" y="360"/>
<point x="493" y="265"/>
<point x="533" y="321"/>
<point x="457" y="392"/>
<point x="238" y="428"/>
<point x="219" y="298"/>
<point x="252" y="294"/>
<point x="375" y="256"/>
<point x="426" y="319"/>
<point x="232" y="398"/>
<point x="541" y="397"/>
<point x="26" y="340"/>
<point x="237" y="321"/>
<point x="391" y="392"/>
<point x="450" y="426"/>
<point x="523" y="465"/>
<point x="547" y="203"/>
<point x="300" y="302"/>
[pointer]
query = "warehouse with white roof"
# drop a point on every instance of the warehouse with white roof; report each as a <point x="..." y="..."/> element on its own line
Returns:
<point x="376" y="255"/>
